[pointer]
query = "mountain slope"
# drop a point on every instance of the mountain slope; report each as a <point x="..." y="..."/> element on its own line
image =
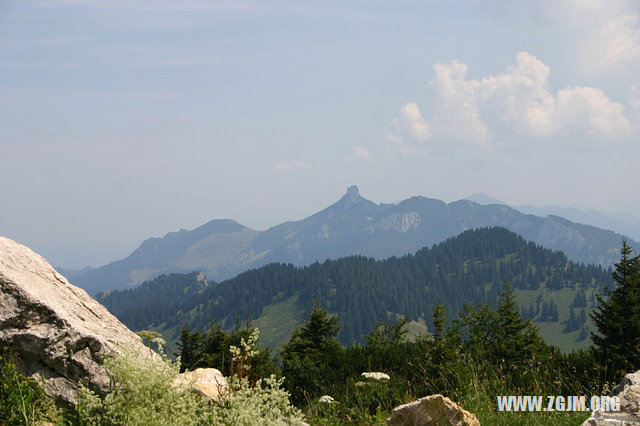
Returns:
<point x="216" y="247"/>
<point x="352" y="225"/>
<point x="468" y="268"/>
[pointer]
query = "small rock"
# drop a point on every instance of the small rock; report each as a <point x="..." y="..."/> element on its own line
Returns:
<point x="432" y="410"/>
<point x="208" y="382"/>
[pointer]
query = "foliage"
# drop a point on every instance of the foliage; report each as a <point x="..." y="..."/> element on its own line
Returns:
<point x="487" y="352"/>
<point x="212" y="350"/>
<point x="141" y="394"/>
<point x="264" y="403"/>
<point x="501" y="336"/>
<point x="304" y="357"/>
<point x="617" y="318"/>
<point x="22" y="400"/>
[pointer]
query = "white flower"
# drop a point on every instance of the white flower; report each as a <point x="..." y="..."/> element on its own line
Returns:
<point x="326" y="399"/>
<point x="376" y="376"/>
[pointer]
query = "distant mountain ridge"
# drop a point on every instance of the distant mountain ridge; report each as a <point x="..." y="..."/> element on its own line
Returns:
<point x="353" y="225"/>
<point x="622" y="223"/>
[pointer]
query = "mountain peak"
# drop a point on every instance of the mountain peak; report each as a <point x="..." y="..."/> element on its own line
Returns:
<point x="352" y="195"/>
<point x="353" y="190"/>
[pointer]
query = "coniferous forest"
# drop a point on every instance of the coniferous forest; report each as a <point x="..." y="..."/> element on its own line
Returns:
<point x="486" y="351"/>
<point x="470" y="268"/>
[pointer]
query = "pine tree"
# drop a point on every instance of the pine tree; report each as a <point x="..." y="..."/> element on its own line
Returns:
<point x="553" y="311"/>
<point x="583" y="316"/>
<point x="584" y="332"/>
<point x="571" y="322"/>
<point x="617" y="317"/>
<point x="502" y="336"/>
<point x="191" y="348"/>
<point x="520" y="339"/>
<point x="544" y="313"/>
<point x="305" y="356"/>
<point x="580" y="301"/>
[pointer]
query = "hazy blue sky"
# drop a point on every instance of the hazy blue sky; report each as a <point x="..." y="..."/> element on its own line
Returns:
<point x="126" y="119"/>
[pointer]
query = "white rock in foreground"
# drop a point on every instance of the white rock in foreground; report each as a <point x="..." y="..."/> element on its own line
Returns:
<point x="55" y="330"/>
<point x="432" y="410"/>
<point x="208" y="382"/>
<point x="629" y="392"/>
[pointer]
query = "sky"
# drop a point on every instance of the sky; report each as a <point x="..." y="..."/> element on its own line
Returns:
<point x="121" y="120"/>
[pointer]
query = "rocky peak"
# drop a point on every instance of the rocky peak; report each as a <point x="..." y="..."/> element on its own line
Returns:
<point x="55" y="330"/>
<point x="352" y="196"/>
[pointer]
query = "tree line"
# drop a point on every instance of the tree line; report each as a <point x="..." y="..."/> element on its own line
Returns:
<point x="468" y="268"/>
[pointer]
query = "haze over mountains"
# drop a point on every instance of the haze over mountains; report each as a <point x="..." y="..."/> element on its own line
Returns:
<point x="353" y="225"/>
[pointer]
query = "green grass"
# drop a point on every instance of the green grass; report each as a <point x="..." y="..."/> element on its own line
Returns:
<point x="278" y="320"/>
<point x="552" y="332"/>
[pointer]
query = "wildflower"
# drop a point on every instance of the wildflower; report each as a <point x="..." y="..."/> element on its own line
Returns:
<point x="158" y="340"/>
<point x="326" y="399"/>
<point x="376" y="376"/>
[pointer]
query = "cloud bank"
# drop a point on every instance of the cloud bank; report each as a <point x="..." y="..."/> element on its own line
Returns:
<point x="516" y="101"/>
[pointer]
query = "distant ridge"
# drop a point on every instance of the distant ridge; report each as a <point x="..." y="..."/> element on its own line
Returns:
<point x="352" y="225"/>
<point x="623" y="223"/>
<point x="482" y="198"/>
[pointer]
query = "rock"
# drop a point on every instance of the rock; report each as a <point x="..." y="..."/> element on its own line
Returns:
<point x="432" y="410"/>
<point x="629" y="392"/>
<point x="56" y="332"/>
<point x="208" y="382"/>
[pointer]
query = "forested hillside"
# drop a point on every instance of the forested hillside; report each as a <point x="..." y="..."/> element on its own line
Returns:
<point x="469" y="268"/>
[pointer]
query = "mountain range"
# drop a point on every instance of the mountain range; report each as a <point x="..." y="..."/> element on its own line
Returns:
<point x="353" y="225"/>
<point x="622" y="223"/>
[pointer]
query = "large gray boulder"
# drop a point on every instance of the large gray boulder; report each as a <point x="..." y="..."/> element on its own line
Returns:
<point x="629" y="393"/>
<point x="55" y="331"/>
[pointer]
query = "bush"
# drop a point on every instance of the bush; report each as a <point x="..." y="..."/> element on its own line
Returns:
<point x="22" y="400"/>
<point x="142" y="394"/>
<point x="265" y="403"/>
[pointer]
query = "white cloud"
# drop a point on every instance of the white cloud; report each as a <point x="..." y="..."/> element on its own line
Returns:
<point x="614" y="45"/>
<point x="408" y="129"/>
<point x="588" y="111"/>
<point x="290" y="165"/>
<point x="457" y="115"/>
<point x="516" y="101"/>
